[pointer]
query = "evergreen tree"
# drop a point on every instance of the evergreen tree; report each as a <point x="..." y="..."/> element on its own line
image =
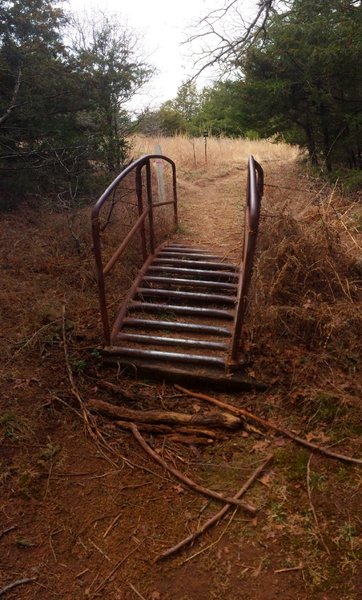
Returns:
<point x="302" y="80"/>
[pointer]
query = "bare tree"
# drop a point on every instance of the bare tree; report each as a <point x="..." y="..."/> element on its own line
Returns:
<point x="226" y="32"/>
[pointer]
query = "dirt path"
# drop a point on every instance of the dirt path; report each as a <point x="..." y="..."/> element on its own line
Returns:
<point x="87" y="524"/>
<point x="212" y="212"/>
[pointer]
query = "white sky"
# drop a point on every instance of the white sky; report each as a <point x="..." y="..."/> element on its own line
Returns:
<point x="162" y="26"/>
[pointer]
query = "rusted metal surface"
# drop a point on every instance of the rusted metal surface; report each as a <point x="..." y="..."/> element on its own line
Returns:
<point x="169" y="341"/>
<point x="255" y="188"/>
<point x="180" y="289"/>
<point x="198" y="273"/>
<point x="136" y="166"/>
<point x="174" y="326"/>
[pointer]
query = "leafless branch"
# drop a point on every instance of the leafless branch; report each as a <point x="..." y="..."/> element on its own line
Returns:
<point x="228" y="41"/>
<point x="12" y="104"/>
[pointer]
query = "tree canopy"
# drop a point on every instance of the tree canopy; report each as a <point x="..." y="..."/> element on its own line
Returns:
<point x="62" y="98"/>
<point x="296" y="77"/>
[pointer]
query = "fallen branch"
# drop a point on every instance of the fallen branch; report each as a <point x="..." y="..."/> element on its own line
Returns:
<point x="167" y="430"/>
<point x="241" y="412"/>
<point x="88" y="419"/>
<point x="189" y="436"/>
<point x="214" y="419"/>
<point x="216" y="518"/>
<point x="14" y="584"/>
<point x="186" y="480"/>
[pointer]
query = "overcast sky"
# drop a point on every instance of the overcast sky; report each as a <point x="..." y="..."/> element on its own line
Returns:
<point x="163" y="25"/>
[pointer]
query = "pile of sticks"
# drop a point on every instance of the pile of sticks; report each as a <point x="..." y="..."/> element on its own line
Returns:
<point x="177" y="426"/>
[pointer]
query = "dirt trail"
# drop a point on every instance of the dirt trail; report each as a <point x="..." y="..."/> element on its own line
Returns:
<point x="87" y="524"/>
<point x="212" y="212"/>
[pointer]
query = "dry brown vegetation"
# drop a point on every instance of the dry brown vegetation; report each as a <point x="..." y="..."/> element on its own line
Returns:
<point x="85" y="518"/>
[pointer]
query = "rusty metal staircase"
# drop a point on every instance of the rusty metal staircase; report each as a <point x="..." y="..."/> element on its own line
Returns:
<point x="183" y="315"/>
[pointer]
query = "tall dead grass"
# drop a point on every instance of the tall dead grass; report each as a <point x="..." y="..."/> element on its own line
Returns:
<point x="189" y="153"/>
<point x="307" y="283"/>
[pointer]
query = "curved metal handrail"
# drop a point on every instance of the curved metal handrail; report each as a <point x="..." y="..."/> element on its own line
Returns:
<point x="101" y="271"/>
<point x="139" y="162"/>
<point x="255" y="190"/>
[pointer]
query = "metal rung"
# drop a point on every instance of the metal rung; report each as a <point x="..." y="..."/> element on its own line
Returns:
<point x="187" y="295"/>
<point x="186" y="247"/>
<point x="167" y="341"/>
<point x="196" y="263"/>
<point x="171" y="356"/>
<point x="186" y="255"/>
<point x="199" y="273"/>
<point x="173" y="326"/>
<point x="193" y="282"/>
<point x="186" y="250"/>
<point x="181" y="310"/>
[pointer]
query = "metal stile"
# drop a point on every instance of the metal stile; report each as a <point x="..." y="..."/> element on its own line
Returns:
<point x="186" y="307"/>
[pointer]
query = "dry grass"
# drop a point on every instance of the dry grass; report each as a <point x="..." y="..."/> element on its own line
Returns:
<point x="307" y="284"/>
<point x="190" y="152"/>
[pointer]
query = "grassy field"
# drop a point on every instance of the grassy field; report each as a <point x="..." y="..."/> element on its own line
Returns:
<point x="189" y="153"/>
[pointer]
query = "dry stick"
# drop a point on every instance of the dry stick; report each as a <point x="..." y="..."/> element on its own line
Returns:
<point x="165" y="417"/>
<point x="9" y="587"/>
<point x="213" y="543"/>
<point x="115" y="568"/>
<point x="241" y="412"/>
<point x="290" y="569"/>
<point x="213" y="520"/>
<point x="5" y="531"/>
<point x="185" y="479"/>
<point x="136" y="591"/>
<point x="167" y="429"/>
<point x="313" y="509"/>
<point x="88" y="419"/>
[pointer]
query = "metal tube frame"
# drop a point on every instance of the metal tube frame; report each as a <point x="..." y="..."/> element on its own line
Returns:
<point x="101" y="271"/>
<point x="255" y="188"/>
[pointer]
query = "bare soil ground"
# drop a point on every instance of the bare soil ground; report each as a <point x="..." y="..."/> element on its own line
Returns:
<point x="82" y="521"/>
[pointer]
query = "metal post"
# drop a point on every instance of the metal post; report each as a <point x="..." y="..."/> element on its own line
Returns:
<point x="149" y="200"/>
<point x="160" y="175"/>
<point x="140" y="210"/>
<point x="206" y="135"/>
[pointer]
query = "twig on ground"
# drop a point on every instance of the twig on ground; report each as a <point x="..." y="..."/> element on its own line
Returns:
<point x="242" y="412"/>
<point x="115" y="568"/>
<point x="313" y="509"/>
<point x="136" y="591"/>
<point x="100" y="550"/>
<point x="213" y="543"/>
<point x="185" y="479"/>
<point x="290" y="569"/>
<point x="216" y="518"/>
<point x="5" y="531"/>
<point x="113" y="524"/>
<point x="14" y="584"/>
<point x="88" y="419"/>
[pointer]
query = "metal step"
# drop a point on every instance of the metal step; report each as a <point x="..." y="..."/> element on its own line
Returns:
<point x="197" y="272"/>
<point x="193" y="263"/>
<point x="187" y="255"/>
<point x="168" y="341"/>
<point x="195" y="296"/>
<point x="190" y="282"/>
<point x="181" y="310"/>
<point x="175" y="326"/>
<point x="166" y="356"/>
